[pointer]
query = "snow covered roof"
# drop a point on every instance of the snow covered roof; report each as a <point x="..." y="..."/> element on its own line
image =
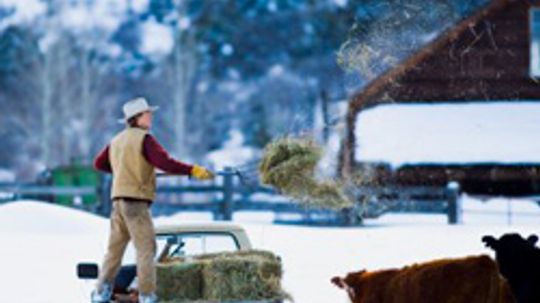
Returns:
<point x="500" y="132"/>
<point x="434" y="75"/>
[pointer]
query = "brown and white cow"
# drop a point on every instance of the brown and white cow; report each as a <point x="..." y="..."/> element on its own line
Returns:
<point x="466" y="280"/>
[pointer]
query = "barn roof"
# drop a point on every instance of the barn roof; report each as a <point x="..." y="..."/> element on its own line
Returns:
<point x="445" y="38"/>
<point x="493" y="66"/>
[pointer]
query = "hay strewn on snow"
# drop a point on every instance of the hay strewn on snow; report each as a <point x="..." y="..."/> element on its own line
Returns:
<point x="289" y="165"/>
<point x="232" y="276"/>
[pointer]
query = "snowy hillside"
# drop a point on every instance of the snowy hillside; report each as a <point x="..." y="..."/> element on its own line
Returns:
<point x="41" y="245"/>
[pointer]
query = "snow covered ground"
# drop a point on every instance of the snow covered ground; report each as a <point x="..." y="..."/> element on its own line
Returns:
<point x="42" y="243"/>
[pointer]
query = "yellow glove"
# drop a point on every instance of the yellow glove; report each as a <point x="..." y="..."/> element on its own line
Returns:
<point x="201" y="173"/>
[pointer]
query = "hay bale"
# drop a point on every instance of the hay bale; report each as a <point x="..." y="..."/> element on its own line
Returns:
<point x="289" y="165"/>
<point x="240" y="253"/>
<point x="179" y="280"/>
<point x="228" y="276"/>
<point x="243" y="276"/>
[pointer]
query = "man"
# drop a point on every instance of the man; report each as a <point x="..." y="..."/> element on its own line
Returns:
<point x="132" y="157"/>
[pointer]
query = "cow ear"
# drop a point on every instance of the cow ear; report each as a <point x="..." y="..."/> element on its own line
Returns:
<point x="489" y="241"/>
<point x="338" y="281"/>
<point x="532" y="239"/>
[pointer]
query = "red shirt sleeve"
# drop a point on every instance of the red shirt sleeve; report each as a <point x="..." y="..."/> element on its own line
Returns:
<point x="158" y="157"/>
<point x="101" y="162"/>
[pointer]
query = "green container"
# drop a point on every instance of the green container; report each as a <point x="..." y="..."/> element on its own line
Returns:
<point x="75" y="175"/>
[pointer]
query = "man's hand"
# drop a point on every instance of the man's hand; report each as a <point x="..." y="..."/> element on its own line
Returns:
<point x="201" y="173"/>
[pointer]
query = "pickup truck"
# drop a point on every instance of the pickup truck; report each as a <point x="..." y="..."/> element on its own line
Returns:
<point x="179" y="240"/>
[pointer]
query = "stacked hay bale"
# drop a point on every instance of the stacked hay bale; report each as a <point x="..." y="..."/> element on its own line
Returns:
<point x="179" y="280"/>
<point x="232" y="276"/>
<point x="244" y="276"/>
<point x="289" y="165"/>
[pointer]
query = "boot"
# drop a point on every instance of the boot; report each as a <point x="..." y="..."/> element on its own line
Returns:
<point x="148" y="298"/>
<point x="102" y="296"/>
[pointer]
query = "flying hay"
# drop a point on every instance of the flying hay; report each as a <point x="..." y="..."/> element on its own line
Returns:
<point x="289" y="165"/>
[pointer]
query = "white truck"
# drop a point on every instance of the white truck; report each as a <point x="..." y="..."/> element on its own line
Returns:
<point x="179" y="240"/>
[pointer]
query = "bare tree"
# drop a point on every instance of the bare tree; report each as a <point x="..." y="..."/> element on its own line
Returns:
<point x="181" y="81"/>
<point x="91" y="87"/>
<point x="46" y="110"/>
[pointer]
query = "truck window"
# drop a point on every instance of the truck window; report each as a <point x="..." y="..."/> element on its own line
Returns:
<point x="196" y="243"/>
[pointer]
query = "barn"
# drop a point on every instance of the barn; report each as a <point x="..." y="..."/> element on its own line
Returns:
<point x="490" y="57"/>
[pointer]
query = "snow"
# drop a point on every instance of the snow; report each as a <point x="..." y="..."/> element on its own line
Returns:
<point x="272" y="6"/>
<point x="245" y="93"/>
<point x="47" y="40"/>
<point x="328" y="165"/>
<point x="230" y="86"/>
<point x="502" y="132"/>
<point x="157" y="38"/>
<point x="202" y="87"/>
<point x="184" y="22"/>
<point x="535" y="39"/>
<point x="139" y="5"/>
<point x="341" y="3"/>
<point x="23" y="11"/>
<point x="428" y="37"/>
<point x="308" y="28"/>
<point x="227" y="49"/>
<point x="27" y="217"/>
<point x="100" y="14"/>
<point x="233" y="153"/>
<point x="276" y="70"/>
<point x="42" y="243"/>
<point x="535" y="58"/>
<point x="6" y="175"/>
<point x="112" y="49"/>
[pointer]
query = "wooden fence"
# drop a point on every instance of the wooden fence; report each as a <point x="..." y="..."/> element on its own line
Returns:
<point x="230" y="196"/>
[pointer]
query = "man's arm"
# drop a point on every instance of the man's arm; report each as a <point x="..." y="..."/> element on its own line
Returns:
<point x="101" y="162"/>
<point x="158" y="157"/>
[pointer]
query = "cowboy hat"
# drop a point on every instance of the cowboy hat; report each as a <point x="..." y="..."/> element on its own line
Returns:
<point x="135" y="107"/>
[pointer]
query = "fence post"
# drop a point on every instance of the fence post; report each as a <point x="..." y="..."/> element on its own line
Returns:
<point x="347" y="216"/>
<point x="226" y="209"/>
<point x="454" y="203"/>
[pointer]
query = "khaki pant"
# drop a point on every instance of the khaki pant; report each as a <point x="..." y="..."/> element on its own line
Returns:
<point x="131" y="220"/>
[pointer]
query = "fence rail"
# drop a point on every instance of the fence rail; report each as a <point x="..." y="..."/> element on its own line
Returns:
<point x="32" y="189"/>
<point x="370" y="201"/>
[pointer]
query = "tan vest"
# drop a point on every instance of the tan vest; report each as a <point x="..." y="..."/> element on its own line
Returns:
<point x="133" y="176"/>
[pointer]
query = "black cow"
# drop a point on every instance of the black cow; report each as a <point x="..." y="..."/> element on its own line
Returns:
<point x="519" y="262"/>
